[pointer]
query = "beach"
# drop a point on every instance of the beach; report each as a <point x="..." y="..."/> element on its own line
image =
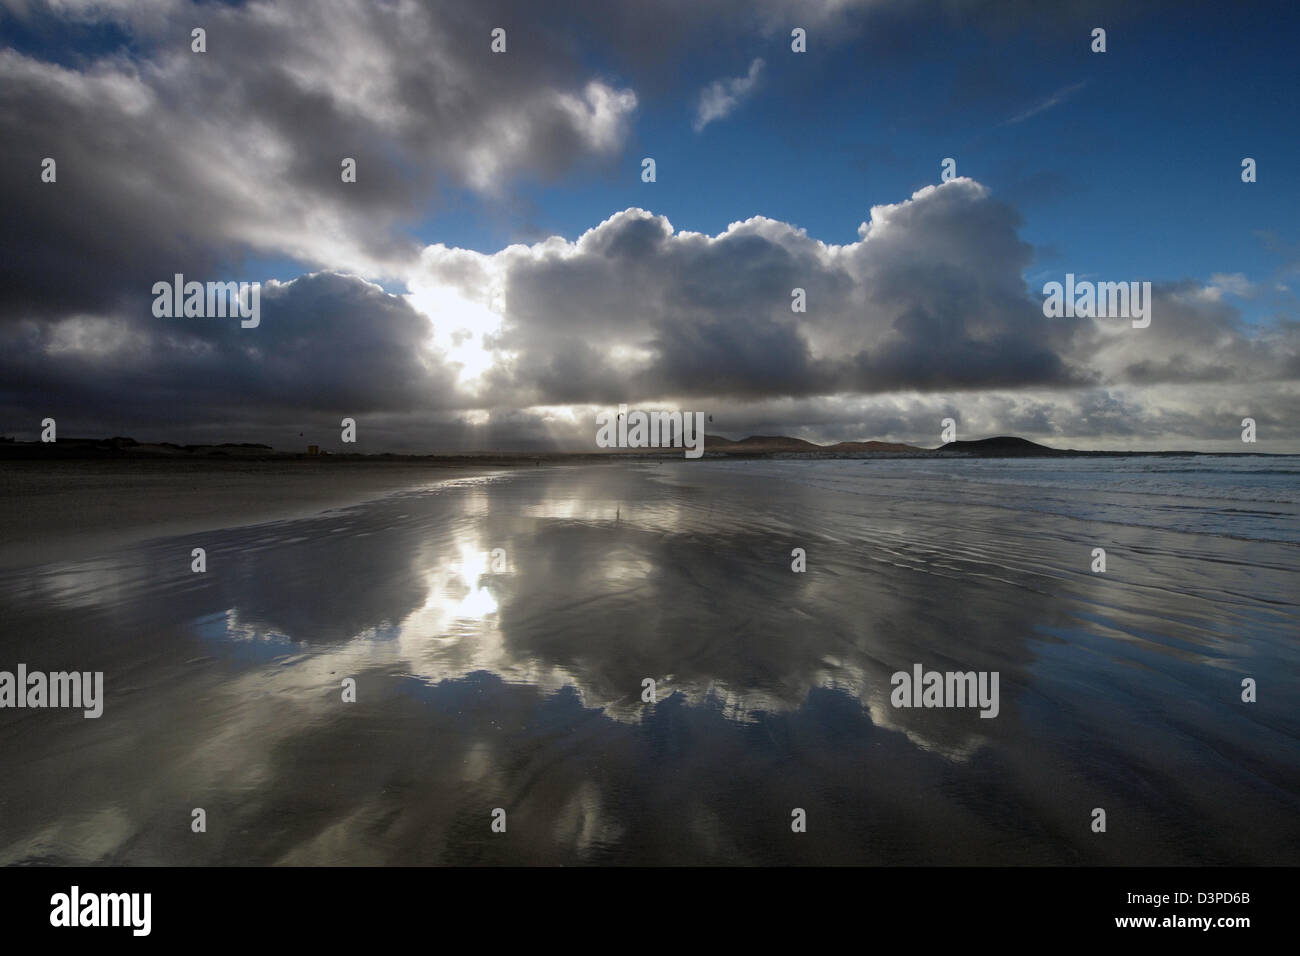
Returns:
<point x="53" y="511"/>
<point x="499" y="627"/>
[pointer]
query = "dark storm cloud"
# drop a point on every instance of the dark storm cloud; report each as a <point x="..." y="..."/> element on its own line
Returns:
<point x="735" y="356"/>
<point x="327" y="346"/>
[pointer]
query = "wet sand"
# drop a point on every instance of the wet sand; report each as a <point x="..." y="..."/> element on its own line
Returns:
<point x="54" y="511"/>
<point x="518" y="684"/>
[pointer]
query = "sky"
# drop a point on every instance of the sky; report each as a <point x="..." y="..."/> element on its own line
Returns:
<point x="500" y="271"/>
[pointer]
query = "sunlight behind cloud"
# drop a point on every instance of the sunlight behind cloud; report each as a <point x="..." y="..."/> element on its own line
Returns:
<point x="460" y="328"/>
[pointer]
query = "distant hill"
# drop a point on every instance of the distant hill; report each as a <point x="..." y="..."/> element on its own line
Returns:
<point x="890" y="446"/>
<point x="758" y="443"/>
<point x="1003" y="445"/>
<point x="783" y="444"/>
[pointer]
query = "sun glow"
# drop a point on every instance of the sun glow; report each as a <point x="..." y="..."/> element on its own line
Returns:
<point x="461" y="327"/>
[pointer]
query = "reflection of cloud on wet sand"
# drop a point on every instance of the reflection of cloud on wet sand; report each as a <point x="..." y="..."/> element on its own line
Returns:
<point x="520" y="688"/>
